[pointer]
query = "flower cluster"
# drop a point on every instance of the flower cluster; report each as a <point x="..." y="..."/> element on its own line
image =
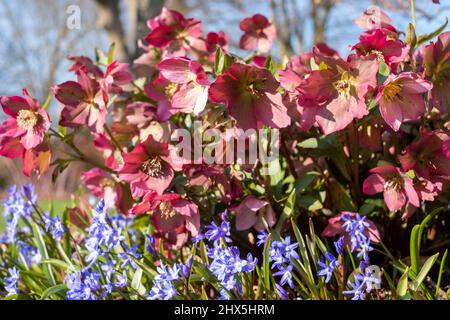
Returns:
<point x="18" y="204"/>
<point x="367" y="132"/>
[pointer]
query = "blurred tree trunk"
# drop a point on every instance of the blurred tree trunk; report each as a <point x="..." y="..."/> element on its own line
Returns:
<point x="138" y="12"/>
<point x="320" y="11"/>
<point x="108" y="18"/>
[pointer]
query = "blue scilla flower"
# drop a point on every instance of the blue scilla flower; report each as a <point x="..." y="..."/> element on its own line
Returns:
<point x="20" y="201"/>
<point x="83" y="285"/>
<point x="103" y="236"/>
<point x="11" y="281"/>
<point x="128" y="256"/>
<point x="227" y="264"/>
<point x="54" y="226"/>
<point x="286" y="275"/>
<point x="339" y="245"/>
<point x="216" y="232"/>
<point x="281" y="252"/>
<point x="185" y="268"/>
<point x="168" y="274"/>
<point x="357" y="228"/>
<point x="357" y="290"/>
<point x="121" y="280"/>
<point x="280" y="255"/>
<point x="18" y="204"/>
<point x="163" y="288"/>
<point x="30" y="253"/>
<point x="364" y="282"/>
<point x="262" y="237"/>
<point x="281" y="292"/>
<point x="326" y="269"/>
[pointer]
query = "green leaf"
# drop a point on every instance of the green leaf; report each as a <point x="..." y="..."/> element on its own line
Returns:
<point x="47" y="102"/>
<point x="424" y="271"/>
<point x="222" y="61"/>
<point x="266" y="265"/>
<point x="288" y="210"/>
<point x="402" y="286"/>
<point x="427" y="37"/>
<point x="414" y="249"/>
<point x="111" y="53"/>
<point x="136" y="282"/>
<point x="272" y="66"/>
<point x="311" y="143"/>
<point x="441" y="271"/>
<point x="53" y="290"/>
<point x="411" y="37"/>
<point x="39" y="240"/>
<point x="383" y="69"/>
<point x="58" y="263"/>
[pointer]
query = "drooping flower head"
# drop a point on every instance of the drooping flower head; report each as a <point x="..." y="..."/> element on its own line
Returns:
<point x="148" y="167"/>
<point x="84" y="103"/>
<point x="250" y="94"/>
<point x="334" y="95"/>
<point x="391" y="51"/>
<point x="191" y="91"/>
<point x="401" y="98"/>
<point x="426" y="156"/>
<point x="173" y="33"/>
<point x="436" y="59"/>
<point x="397" y="187"/>
<point x="172" y="216"/>
<point x="259" y="33"/>
<point x="252" y="212"/>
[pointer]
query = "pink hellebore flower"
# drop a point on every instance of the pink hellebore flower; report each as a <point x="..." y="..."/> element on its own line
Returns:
<point x="436" y="58"/>
<point x="103" y="185"/>
<point x="192" y="83"/>
<point x="116" y="75"/>
<point x="391" y="51"/>
<point x="162" y="90"/>
<point x="215" y="40"/>
<point x="252" y="212"/>
<point x="396" y="186"/>
<point x="171" y="215"/>
<point x="173" y="33"/>
<point x="401" y="98"/>
<point x="251" y="96"/>
<point x="258" y="33"/>
<point x="148" y="167"/>
<point x="83" y="101"/>
<point x="29" y="121"/>
<point x="373" y="18"/>
<point x="336" y="227"/>
<point x="296" y="70"/>
<point x="86" y="65"/>
<point x="426" y="156"/>
<point x="335" y="95"/>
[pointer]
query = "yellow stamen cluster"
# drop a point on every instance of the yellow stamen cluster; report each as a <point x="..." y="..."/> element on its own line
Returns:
<point x="152" y="167"/>
<point x="27" y="119"/>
